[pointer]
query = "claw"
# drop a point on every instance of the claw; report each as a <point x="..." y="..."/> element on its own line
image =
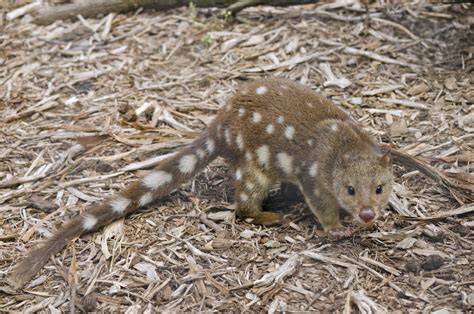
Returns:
<point x="340" y="233"/>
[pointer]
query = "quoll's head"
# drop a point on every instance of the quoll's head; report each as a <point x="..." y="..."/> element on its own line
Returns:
<point x="362" y="183"/>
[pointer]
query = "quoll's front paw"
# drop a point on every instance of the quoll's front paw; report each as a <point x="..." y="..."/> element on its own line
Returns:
<point x="342" y="232"/>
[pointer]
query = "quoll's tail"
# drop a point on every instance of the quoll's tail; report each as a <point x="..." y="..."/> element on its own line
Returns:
<point x="167" y="176"/>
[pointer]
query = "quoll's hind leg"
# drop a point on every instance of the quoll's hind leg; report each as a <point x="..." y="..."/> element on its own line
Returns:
<point x="291" y="193"/>
<point x="251" y="187"/>
<point x="288" y="195"/>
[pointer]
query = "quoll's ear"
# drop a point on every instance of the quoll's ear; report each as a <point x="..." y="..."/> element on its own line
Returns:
<point x="385" y="157"/>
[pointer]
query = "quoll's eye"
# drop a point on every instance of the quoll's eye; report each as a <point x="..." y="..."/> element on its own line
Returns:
<point x="351" y="190"/>
<point x="378" y="190"/>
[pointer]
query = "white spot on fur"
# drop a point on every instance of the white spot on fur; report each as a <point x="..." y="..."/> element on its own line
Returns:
<point x="219" y="129"/>
<point x="334" y="127"/>
<point x="200" y="153"/>
<point x="285" y="162"/>
<point x="289" y="132"/>
<point x="241" y="112"/>
<point x="156" y="179"/>
<point x="313" y="170"/>
<point x="88" y="222"/>
<point x="281" y="119"/>
<point x="228" y="107"/>
<point x="316" y="192"/>
<point x="210" y="145"/>
<point x="240" y="141"/>
<point x="270" y="128"/>
<point x="146" y="199"/>
<point x="187" y="163"/>
<point x="261" y="178"/>
<point x="249" y="185"/>
<point x="284" y="86"/>
<point x="261" y="90"/>
<point x="244" y="197"/>
<point x="248" y="156"/>
<point x="263" y="155"/>
<point x="119" y="204"/>
<point x="309" y="104"/>
<point x="310" y="142"/>
<point x="256" y="117"/>
<point x="227" y="136"/>
<point x="238" y="174"/>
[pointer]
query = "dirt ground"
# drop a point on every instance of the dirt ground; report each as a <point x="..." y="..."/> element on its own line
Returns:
<point x="82" y="100"/>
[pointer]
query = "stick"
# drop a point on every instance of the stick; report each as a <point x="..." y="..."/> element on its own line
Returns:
<point x="377" y="57"/>
<point x="92" y="8"/>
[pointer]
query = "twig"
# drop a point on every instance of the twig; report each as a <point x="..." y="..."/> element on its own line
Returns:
<point x="326" y="259"/>
<point x="377" y="57"/>
<point x="195" y="251"/>
<point x="382" y="90"/>
<point x="23" y="10"/>
<point x="400" y="27"/>
<point x="377" y="274"/>
<point x="284" y="270"/>
<point x="387" y="268"/>
<point x="365" y="304"/>
<point x="405" y="103"/>
<point x="345" y="18"/>
<point x="44" y="104"/>
<point x="332" y="79"/>
<point x="276" y="276"/>
<point x="290" y="62"/>
<point x="89" y="179"/>
<point x="147" y="163"/>
<point x="211" y="224"/>
<point x="17" y="181"/>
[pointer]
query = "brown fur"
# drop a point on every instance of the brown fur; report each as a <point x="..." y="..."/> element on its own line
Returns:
<point x="271" y="130"/>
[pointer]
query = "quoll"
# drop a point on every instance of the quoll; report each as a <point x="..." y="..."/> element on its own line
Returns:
<point x="271" y="130"/>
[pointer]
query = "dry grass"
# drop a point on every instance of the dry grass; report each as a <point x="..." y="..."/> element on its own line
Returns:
<point x="82" y="100"/>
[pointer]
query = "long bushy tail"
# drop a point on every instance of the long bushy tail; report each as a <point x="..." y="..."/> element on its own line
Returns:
<point x="167" y="176"/>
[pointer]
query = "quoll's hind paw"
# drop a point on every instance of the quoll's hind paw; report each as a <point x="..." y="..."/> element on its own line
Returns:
<point x="340" y="233"/>
<point x="269" y="219"/>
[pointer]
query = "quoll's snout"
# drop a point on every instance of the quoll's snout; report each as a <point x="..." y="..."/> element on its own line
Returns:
<point x="367" y="214"/>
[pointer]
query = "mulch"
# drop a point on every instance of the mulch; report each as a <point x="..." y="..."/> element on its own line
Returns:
<point x="86" y="106"/>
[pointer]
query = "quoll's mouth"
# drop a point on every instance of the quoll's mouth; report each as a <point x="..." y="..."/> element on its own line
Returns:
<point x="367" y="214"/>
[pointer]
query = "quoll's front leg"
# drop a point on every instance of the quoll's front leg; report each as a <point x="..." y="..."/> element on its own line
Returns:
<point x="328" y="215"/>
<point x="251" y="187"/>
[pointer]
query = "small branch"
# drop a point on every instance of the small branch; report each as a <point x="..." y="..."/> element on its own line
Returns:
<point x="17" y="181"/>
<point x="89" y="179"/>
<point x="382" y="90"/>
<point x="365" y="304"/>
<point x="290" y="62"/>
<point x="377" y="57"/>
<point x="92" y="8"/>
<point x="240" y="5"/>
<point x="396" y="25"/>
<point x="332" y="79"/>
<point x="23" y="10"/>
<point x="43" y="105"/>
<point x="405" y="103"/>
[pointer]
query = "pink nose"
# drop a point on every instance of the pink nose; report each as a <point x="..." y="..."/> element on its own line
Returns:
<point x="367" y="214"/>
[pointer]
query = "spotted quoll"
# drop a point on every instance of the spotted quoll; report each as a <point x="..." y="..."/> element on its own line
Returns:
<point x="271" y="130"/>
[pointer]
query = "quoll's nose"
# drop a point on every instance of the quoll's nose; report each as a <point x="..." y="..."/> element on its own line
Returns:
<point x="367" y="214"/>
